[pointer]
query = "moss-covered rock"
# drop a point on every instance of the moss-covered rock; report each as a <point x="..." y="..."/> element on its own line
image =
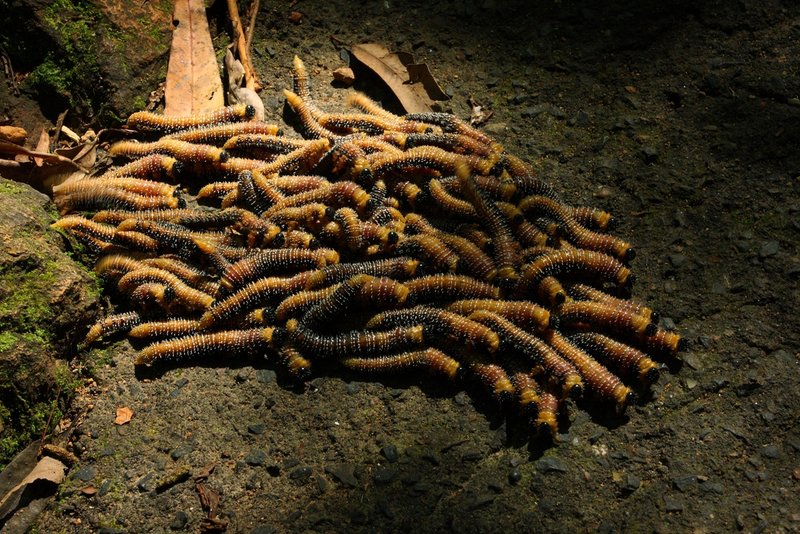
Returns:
<point x="98" y="59"/>
<point x="45" y="298"/>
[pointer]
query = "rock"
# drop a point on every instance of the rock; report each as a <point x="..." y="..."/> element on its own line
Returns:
<point x="301" y="474"/>
<point x="771" y="451"/>
<point x="673" y="504"/>
<point x="514" y="476"/>
<point x="181" y="451"/>
<point x="344" y="75"/>
<point x="180" y="521"/>
<point x="46" y="298"/>
<point x="389" y="452"/>
<point x="768" y="249"/>
<point x="630" y="483"/>
<point x="257" y="428"/>
<point x="549" y="464"/>
<point x="677" y="260"/>
<point x="344" y="474"/>
<point x="255" y="457"/>
<point x="85" y="473"/>
<point x="384" y="475"/>
<point x="649" y="154"/>
<point x="683" y="483"/>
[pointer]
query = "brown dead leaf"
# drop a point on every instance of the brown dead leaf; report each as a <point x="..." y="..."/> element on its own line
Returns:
<point x="124" y="415"/>
<point x="43" y="145"/>
<point x="193" y="82"/>
<point x="392" y="68"/>
<point x="420" y="73"/>
<point x="13" y="134"/>
<point x="88" y="490"/>
<point x="49" y="472"/>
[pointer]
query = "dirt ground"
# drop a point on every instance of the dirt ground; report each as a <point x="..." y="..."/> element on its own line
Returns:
<point x="683" y="120"/>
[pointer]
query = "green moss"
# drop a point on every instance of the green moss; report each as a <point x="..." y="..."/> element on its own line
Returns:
<point x="72" y="70"/>
<point x="26" y="307"/>
<point x="8" y="187"/>
<point x="7" y="340"/>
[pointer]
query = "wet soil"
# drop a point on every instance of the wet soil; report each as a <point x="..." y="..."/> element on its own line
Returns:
<point x="681" y="119"/>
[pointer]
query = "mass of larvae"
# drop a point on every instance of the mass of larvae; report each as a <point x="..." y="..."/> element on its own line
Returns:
<point x="386" y="244"/>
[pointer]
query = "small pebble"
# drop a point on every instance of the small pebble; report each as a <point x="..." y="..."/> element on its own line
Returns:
<point x="344" y="474"/>
<point x="179" y="452"/>
<point x="683" y="483"/>
<point x="389" y="451"/>
<point x="256" y="457"/>
<point x="265" y="376"/>
<point x="180" y="521"/>
<point x="384" y="475"/>
<point x="650" y="154"/>
<point x="257" y="429"/>
<point x="85" y="473"/>
<point x="264" y="529"/>
<point x="105" y="487"/>
<point x="514" y="476"/>
<point x="550" y="465"/>
<point x="301" y="474"/>
<point x="672" y="504"/>
<point x="768" y="249"/>
<point x="630" y="483"/>
<point x="344" y="75"/>
<point x="771" y="451"/>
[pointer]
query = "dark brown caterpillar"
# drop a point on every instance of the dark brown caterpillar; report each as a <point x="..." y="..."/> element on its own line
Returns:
<point x="561" y="371"/>
<point x="218" y="134"/>
<point x="400" y="268"/>
<point x="441" y="287"/>
<point x="432" y="360"/>
<point x="600" y="381"/>
<point x="495" y="380"/>
<point x="113" y="324"/>
<point x="145" y="121"/>
<point x="627" y="361"/>
<point x="359" y="343"/>
<point x="251" y="296"/>
<point x="229" y="342"/>
<point x="439" y="325"/>
<point x="275" y="262"/>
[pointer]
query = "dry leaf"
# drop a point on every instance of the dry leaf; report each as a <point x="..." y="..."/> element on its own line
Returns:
<point x="13" y="134"/>
<point x="124" y="415"/>
<point x="48" y="471"/>
<point x="392" y="69"/>
<point x="43" y="145"/>
<point x="88" y="491"/>
<point x="193" y="82"/>
<point x="420" y="73"/>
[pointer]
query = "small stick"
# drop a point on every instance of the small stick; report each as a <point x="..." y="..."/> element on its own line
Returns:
<point x="241" y="46"/>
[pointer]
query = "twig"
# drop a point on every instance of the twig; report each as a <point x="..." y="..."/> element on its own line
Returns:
<point x="241" y="45"/>
<point x="252" y="26"/>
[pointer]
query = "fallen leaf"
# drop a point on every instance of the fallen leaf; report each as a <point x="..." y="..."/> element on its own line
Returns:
<point x="392" y="68"/>
<point x="124" y="415"/>
<point x="48" y="471"/>
<point x="193" y="82"/>
<point x="295" y="17"/>
<point x="89" y="491"/>
<point x="43" y="145"/>
<point x="13" y="134"/>
<point x="420" y="73"/>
